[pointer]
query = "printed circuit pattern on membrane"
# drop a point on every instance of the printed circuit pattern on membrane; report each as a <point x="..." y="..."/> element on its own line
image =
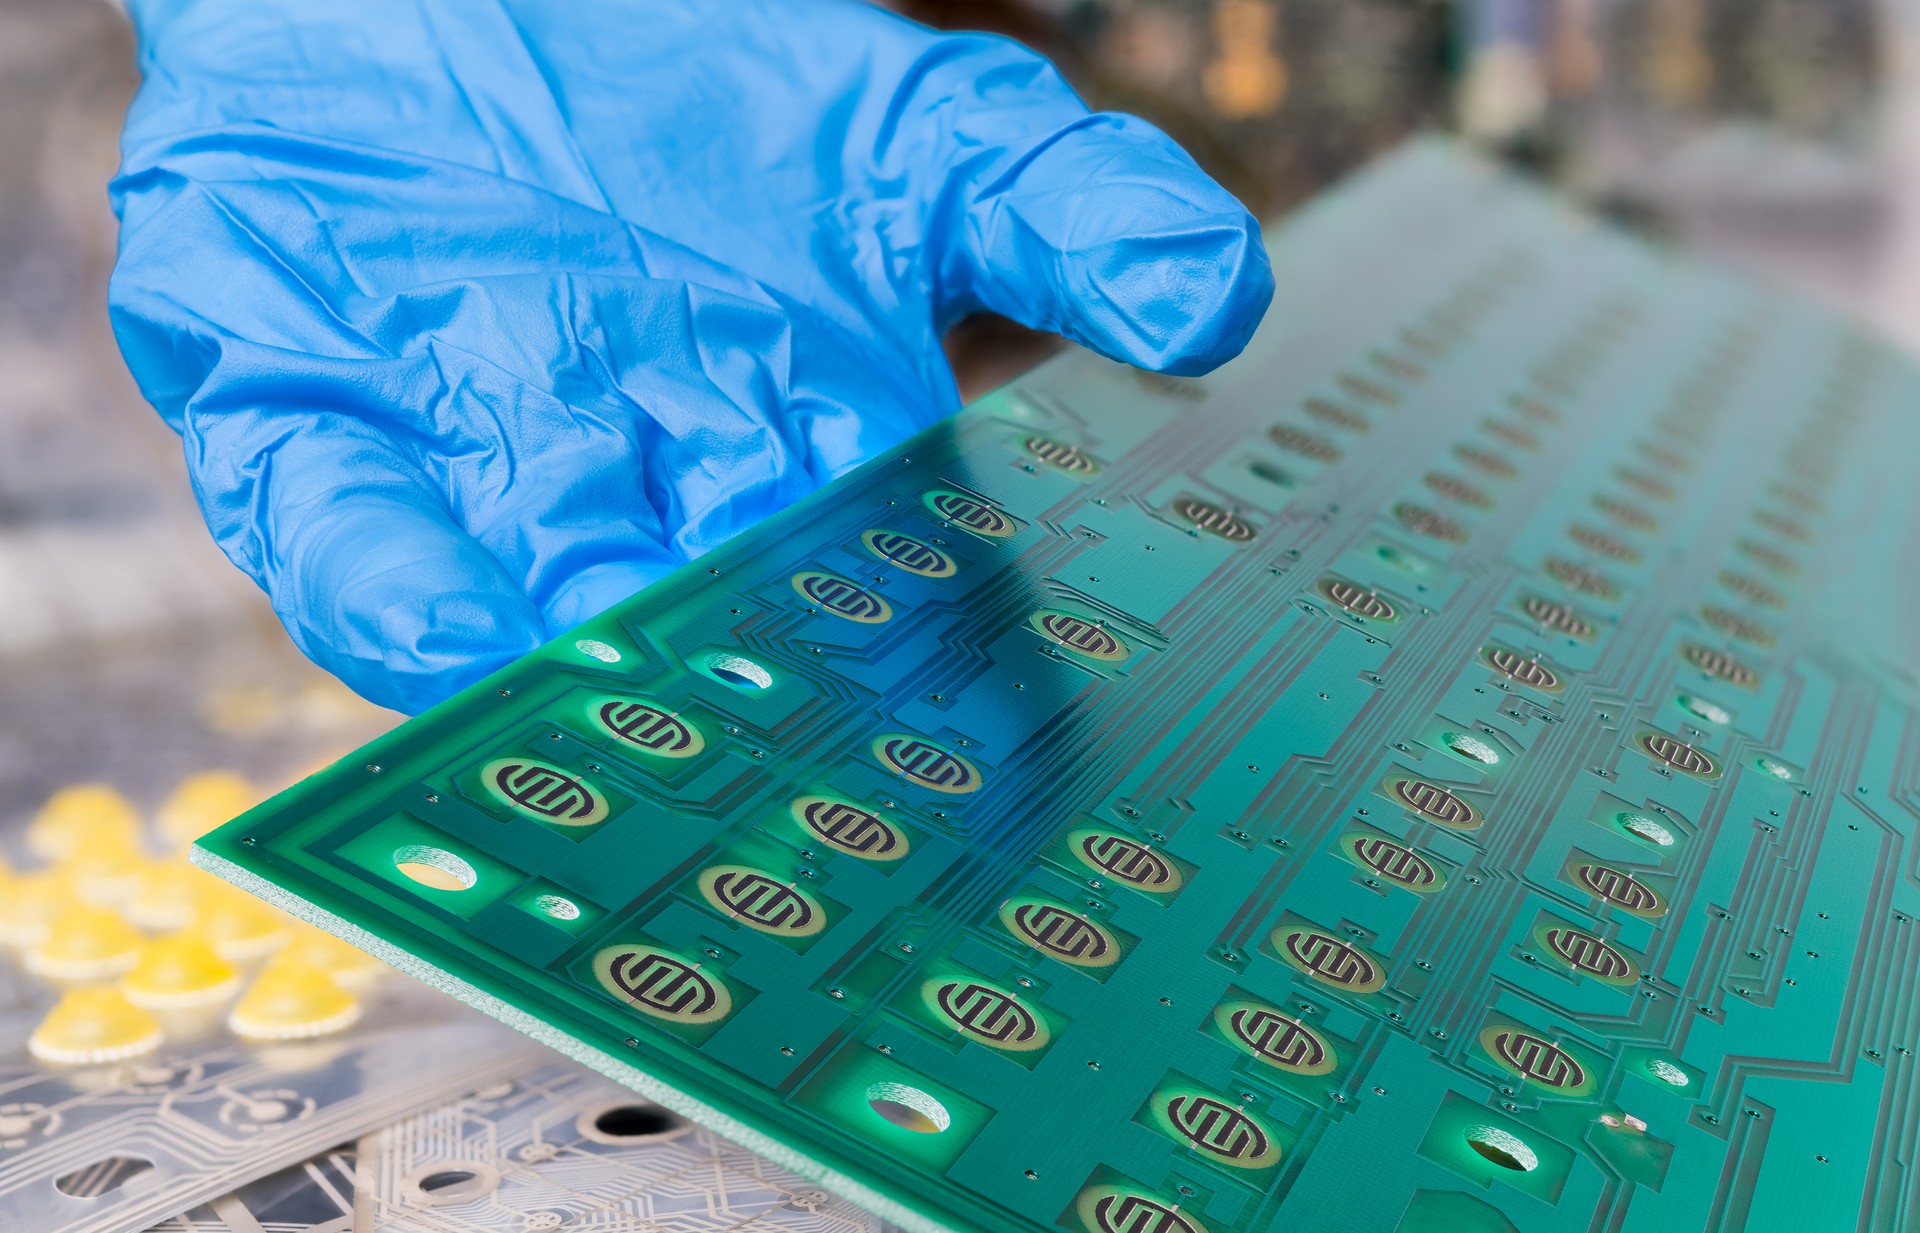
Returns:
<point x="1453" y="768"/>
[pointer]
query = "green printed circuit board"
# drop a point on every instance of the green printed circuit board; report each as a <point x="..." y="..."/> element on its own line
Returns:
<point x="1452" y="770"/>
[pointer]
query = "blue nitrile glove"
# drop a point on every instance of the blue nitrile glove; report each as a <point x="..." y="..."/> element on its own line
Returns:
<point x="478" y="316"/>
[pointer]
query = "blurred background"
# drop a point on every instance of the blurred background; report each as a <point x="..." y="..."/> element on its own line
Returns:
<point x="1783" y="134"/>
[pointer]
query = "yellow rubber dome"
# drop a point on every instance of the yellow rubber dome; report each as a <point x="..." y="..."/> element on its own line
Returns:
<point x="291" y="1000"/>
<point x="352" y="967"/>
<point x="104" y="870"/>
<point x="239" y="926"/>
<point x="84" y="942"/>
<point x="181" y="970"/>
<point x="202" y="802"/>
<point x="29" y="904"/>
<point x="83" y="815"/>
<point x="168" y="895"/>
<point x="94" y="1025"/>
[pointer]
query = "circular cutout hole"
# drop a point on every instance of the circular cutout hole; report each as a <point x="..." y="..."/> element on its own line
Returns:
<point x="1502" y="1148"/>
<point x="434" y="868"/>
<point x="1711" y="712"/>
<point x="738" y="670"/>
<point x="1472" y="747"/>
<point x="1667" y="1072"/>
<point x="558" y="907"/>
<point x="631" y="1122"/>
<point x="593" y="648"/>
<point x="1641" y="826"/>
<point x="909" y="1108"/>
<point x="102" y="1177"/>
<point x="452" y="1181"/>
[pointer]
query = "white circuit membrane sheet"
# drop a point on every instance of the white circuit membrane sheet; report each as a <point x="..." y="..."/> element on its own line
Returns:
<point x="559" y="1149"/>
<point x="117" y="1148"/>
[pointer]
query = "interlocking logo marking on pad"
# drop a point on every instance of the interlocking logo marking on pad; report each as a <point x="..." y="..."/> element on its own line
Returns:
<point x="910" y="554"/>
<point x="1611" y="547"/>
<point x="845" y="827"/>
<point x="978" y="516"/>
<point x="1722" y="666"/>
<point x="1368" y="605"/>
<point x="1276" y="1038"/>
<point x="1430" y="523"/>
<point x="1535" y="1059"/>
<point x="1457" y="490"/>
<point x="1644" y="484"/>
<point x="1735" y="625"/>
<point x="1328" y="959"/>
<point x="987" y="1013"/>
<point x="1768" y="555"/>
<point x="920" y="761"/>
<point x="647" y="726"/>
<point x="1485" y="461"/>
<point x="1582" y="579"/>
<point x="1561" y="618"/>
<point x="1117" y="1209"/>
<point x="1512" y="434"/>
<point x="1534" y="409"/>
<point x="842" y="597"/>
<point x="1436" y="804"/>
<point x="1678" y="754"/>
<point x="1587" y="954"/>
<point x="1626" y="514"/>
<point x="1619" y="888"/>
<point x="761" y="901"/>
<point x="1750" y="588"/>
<point x="1523" y="669"/>
<point x="657" y="982"/>
<point x="1060" y="932"/>
<point x="1060" y="456"/>
<point x="1396" y="862"/>
<point x="1368" y="391"/>
<point x="544" y="792"/>
<point x="1306" y="444"/>
<point x="1126" y="859"/>
<point x="1664" y="458"/>
<point x="1211" y="518"/>
<point x="1328" y="412"/>
<point x="1079" y="635"/>
<point x="1224" y="1133"/>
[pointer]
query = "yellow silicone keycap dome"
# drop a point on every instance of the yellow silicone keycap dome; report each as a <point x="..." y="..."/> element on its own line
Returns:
<point x="85" y="942"/>
<point x="94" y="1025"/>
<point x="291" y="1000"/>
<point x="181" y="970"/>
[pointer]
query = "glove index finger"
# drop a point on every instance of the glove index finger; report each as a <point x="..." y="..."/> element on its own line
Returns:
<point x="1097" y="226"/>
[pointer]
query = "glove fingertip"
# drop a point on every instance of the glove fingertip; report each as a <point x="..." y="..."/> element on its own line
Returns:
<point x="1106" y="231"/>
<point x="1183" y="300"/>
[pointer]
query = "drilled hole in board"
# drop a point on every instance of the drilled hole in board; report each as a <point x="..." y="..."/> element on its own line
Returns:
<point x="738" y="670"/>
<point x="1503" y="1148"/>
<point x="434" y="868"/>
<point x="558" y="907"/>
<point x="1472" y="748"/>
<point x="909" y="1108"/>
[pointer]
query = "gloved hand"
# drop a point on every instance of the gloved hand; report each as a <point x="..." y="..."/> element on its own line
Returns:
<point x="478" y="316"/>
